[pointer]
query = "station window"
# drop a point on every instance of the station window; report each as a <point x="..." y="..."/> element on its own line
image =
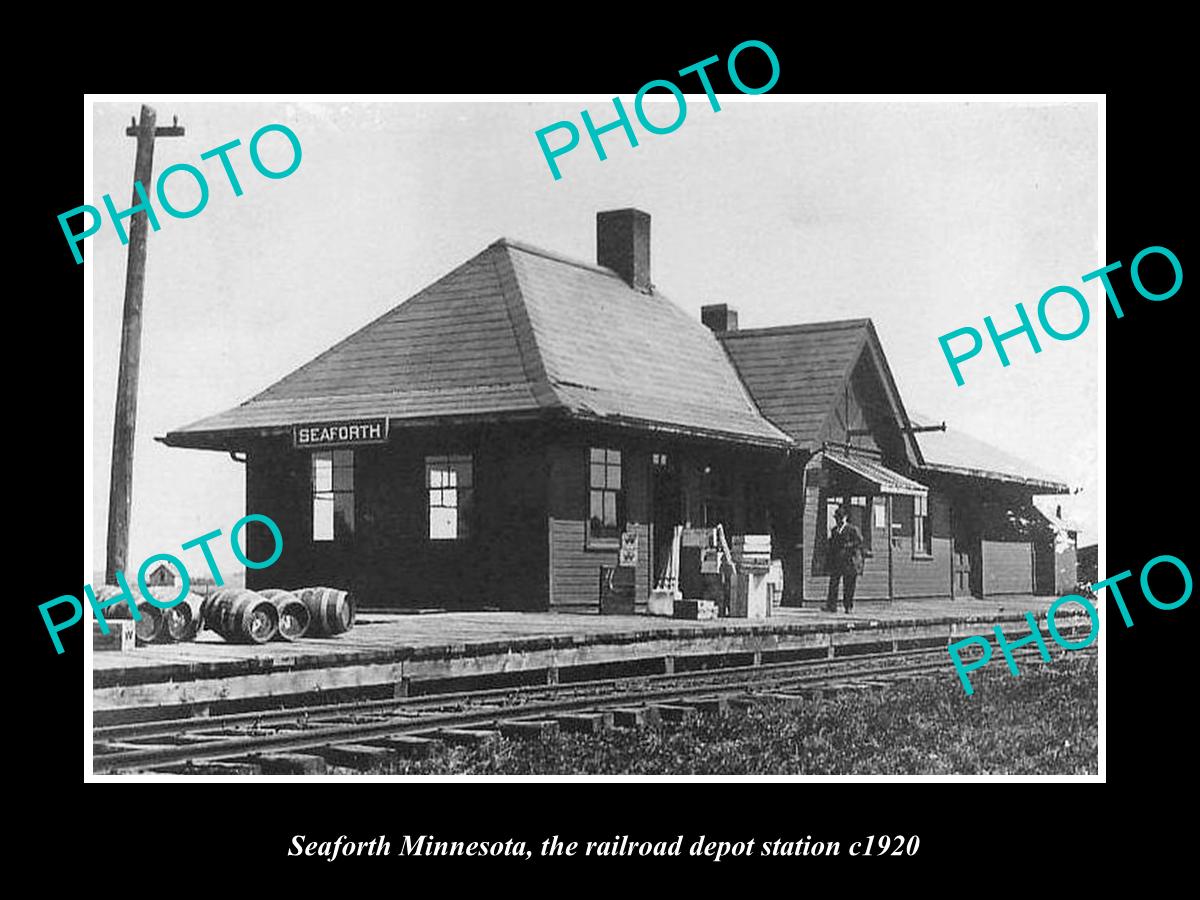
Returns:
<point x="880" y="517"/>
<point x="922" y="533"/>
<point x="451" y="485"/>
<point x="606" y="496"/>
<point x="332" y="495"/>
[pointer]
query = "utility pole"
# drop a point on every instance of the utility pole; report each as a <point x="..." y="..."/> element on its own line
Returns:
<point x="120" y="492"/>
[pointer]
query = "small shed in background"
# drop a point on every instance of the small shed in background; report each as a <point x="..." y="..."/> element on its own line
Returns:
<point x="161" y="575"/>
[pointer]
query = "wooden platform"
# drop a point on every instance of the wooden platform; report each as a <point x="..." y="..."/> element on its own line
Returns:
<point x="390" y="654"/>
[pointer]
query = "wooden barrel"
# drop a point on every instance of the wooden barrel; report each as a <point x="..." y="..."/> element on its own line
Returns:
<point x="331" y="611"/>
<point x="293" y="614"/>
<point x="149" y="627"/>
<point x="241" y="616"/>
<point x="183" y="621"/>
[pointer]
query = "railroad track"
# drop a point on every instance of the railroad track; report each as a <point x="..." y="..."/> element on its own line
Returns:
<point x="366" y="734"/>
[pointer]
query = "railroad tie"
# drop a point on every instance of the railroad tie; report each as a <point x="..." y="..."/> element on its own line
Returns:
<point x="787" y="701"/>
<point x="676" y="713"/>
<point x="529" y="729"/>
<point x="289" y="763"/>
<point x="409" y="745"/>
<point x="355" y="756"/>
<point x="587" y="723"/>
<point x="849" y="687"/>
<point x="471" y="737"/>
<point x="712" y="706"/>
<point x="636" y="716"/>
<point x="210" y="768"/>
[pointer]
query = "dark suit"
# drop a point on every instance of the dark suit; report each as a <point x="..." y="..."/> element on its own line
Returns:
<point x="845" y="564"/>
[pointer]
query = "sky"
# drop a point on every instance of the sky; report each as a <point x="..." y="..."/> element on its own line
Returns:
<point x="924" y="217"/>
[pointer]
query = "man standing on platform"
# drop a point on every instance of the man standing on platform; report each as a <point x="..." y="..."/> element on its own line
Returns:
<point x="845" y="561"/>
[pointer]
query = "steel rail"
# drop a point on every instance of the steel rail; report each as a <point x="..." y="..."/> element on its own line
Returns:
<point x="309" y="738"/>
<point x="765" y="670"/>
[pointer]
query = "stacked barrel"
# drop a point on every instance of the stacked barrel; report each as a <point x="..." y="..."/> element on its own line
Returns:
<point x="332" y="610"/>
<point x="294" y="617"/>
<point x="241" y="616"/>
<point x="238" y="615"/>
<point x="252" y="617"/>
<point x="154" y="624"/>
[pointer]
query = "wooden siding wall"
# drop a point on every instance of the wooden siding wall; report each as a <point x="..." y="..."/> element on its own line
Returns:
<point x="1044" y="566"/>
<point x="912" y="578"/>
<point x="277" y="485"/>
<point x="574" y="568"/>
<point x="752" y="476"/>
<point x="872" y="583"/>
<point x="1054" y="566"/>
<point x="922" y="577"/>
<point x="863" y="406"/>
<point x="391" y="562"/>
<point x="852" y="411"/>
<point x="1007" y="567"/>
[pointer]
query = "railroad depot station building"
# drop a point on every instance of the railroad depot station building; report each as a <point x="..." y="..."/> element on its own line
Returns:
<point x="487" y="442"/>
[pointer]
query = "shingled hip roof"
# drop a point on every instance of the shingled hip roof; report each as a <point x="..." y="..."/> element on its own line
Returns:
<point x="514" y="331"/>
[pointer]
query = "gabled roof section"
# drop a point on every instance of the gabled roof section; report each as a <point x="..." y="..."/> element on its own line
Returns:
<point x="797" y="373"/>
<point x="515" y="331"/>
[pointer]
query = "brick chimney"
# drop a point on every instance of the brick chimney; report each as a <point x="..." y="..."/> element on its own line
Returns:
<point x="719" y="317"/>
<point x="623" y="245"/>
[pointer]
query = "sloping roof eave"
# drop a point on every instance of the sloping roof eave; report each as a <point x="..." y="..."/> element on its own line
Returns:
<point x="237" y="439"/>
<point x="887" y="480"/>
<point x="760" y="440"/>
<point x="1043" y="486"/>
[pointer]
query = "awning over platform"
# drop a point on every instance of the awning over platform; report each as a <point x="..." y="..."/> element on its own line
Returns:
<point x="881" y="476"/>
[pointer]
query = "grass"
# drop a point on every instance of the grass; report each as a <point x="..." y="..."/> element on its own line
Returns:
<point x="1042" y="722"/>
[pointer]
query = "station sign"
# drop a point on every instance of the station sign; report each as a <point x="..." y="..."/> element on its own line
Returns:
<point x="311" y="435"/>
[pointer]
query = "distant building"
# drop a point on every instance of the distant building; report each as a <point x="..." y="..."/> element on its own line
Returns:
<point x="162" y="575"/>
<point x="489" y="441"/>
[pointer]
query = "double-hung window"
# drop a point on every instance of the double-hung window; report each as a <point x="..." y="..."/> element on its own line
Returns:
<point x="922" y="533"/>
<point x="606" y="497"/>
<point x="332" y="495"/>
<point x="450" y="483"/>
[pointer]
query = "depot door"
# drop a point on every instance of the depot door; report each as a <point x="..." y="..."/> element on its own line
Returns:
<point x="961" y="571"/>
<point x="667" y="510"/>
<point x="961" y="583"/>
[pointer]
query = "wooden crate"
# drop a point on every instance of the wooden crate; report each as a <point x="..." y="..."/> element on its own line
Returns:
<point x="617" y="588"/>
<point x="695" y="609"/>
<point x="122" y="636"/>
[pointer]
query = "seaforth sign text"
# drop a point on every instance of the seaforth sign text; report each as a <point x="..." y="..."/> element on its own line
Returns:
<point x="334" y="434"/>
